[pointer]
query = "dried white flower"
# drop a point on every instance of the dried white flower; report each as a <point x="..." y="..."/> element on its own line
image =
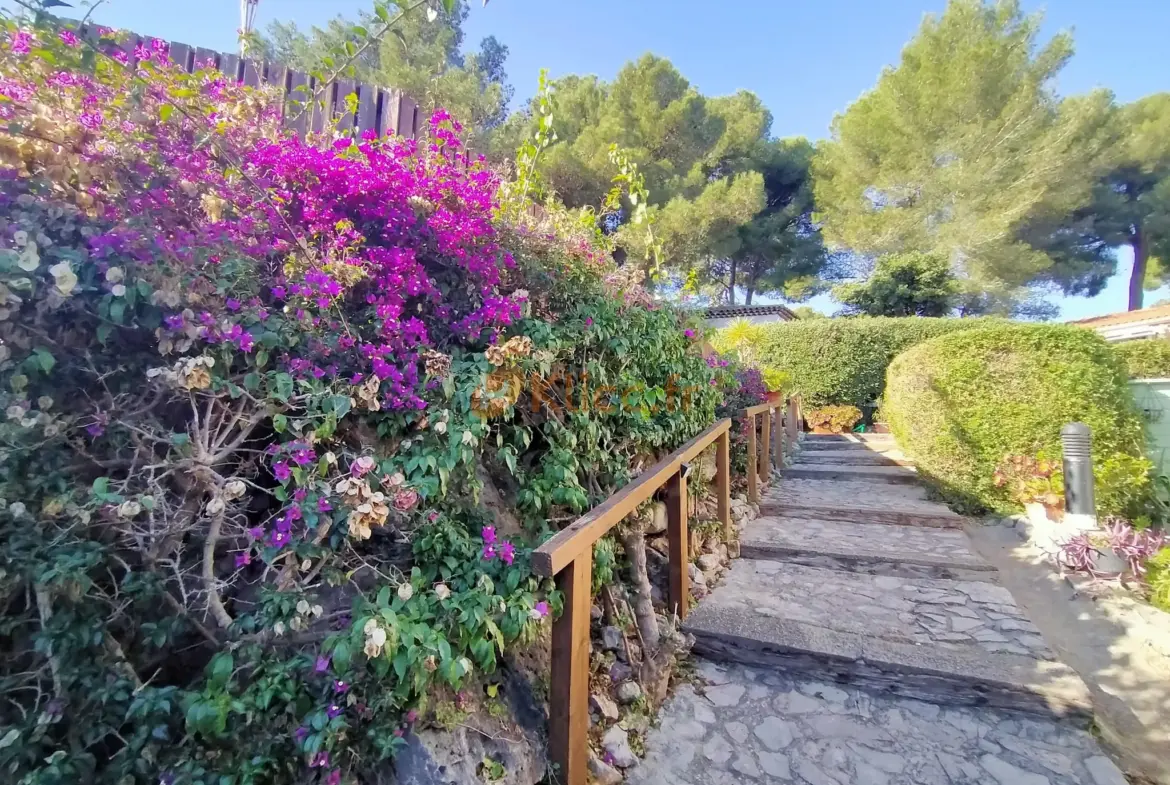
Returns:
<point x="405" y="592"/>
<point x="129" y="509"/>
<point x="234" y="489"/>
<point x="442" y="591"/>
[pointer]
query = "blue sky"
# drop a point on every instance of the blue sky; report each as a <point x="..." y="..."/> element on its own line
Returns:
<point x="806" y="61"/>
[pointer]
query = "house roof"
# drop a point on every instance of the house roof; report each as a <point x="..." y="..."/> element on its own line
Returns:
<point x="1158" y="313"/>
<point x="748" y="311"/>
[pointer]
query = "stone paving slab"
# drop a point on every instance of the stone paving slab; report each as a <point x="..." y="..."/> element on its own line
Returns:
<point x="816" y="471"/>
<point x="747" y="725"/>
<point x="945" y="614"/>
<point x="877" y="549"/>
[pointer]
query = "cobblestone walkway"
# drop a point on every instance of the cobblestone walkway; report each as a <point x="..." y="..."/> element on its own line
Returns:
<point x="742" y="724"/>
<point x="849" y="648"/>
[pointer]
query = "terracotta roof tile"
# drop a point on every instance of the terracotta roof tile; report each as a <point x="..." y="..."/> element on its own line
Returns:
<point x="746" y="311"/>
<point x="1158" y="312"/>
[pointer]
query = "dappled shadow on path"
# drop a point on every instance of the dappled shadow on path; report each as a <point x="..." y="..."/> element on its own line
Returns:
<point x="1106" y="641"/>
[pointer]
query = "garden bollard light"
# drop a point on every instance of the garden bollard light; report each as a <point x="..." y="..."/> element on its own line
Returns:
<point x="1076" y="438"/>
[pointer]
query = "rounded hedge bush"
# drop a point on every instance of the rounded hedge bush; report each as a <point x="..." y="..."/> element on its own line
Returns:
<point x="960" y="403"/>
<point x="1146" y="359"/>
<point x="843" y="361"/>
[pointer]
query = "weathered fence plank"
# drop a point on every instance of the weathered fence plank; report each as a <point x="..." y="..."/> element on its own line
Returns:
<point x="380" y="110"/>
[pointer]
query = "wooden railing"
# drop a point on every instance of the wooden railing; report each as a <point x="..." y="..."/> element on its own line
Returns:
<point x="568" y="557"/>
<point x="766" y="453"/>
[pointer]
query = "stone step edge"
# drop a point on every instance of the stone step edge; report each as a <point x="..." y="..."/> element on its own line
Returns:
<point x="766" y="550"/>
<point x="935" y="675"/>
<point x="838" y="473"/>
<point x="842" y="458"/>
<point x="860" y="515"/>
<point x="848" y="446"/>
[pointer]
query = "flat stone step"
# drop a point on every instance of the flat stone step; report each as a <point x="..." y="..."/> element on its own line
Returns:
<point x="864" y="438"/>
<point x="886" y="474"/>
<point x="866" y="515"/>
<point x="854" y="458"/>
<point x="847" y="446"/>
<point x="944" y="641"/>
<point x="860" y="501"/>
<point x="907" y="551"/>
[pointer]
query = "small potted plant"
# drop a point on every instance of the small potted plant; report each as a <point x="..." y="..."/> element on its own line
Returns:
<point x="1117" y="550"/>
<point x="838" y="418"/>
<point x="776" y="380"/>
<point x="1035" y="482"/>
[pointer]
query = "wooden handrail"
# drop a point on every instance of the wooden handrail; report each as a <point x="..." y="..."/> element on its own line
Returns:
<point x="578" y="537"/>
<point x="568" y="557"/>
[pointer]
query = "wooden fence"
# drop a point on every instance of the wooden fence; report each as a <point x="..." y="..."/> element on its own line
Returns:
<point x="379" y="109"/>
<point x="568" y="558"/>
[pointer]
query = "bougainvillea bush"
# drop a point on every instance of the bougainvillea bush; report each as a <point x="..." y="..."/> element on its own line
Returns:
<point x="256" y="390"/>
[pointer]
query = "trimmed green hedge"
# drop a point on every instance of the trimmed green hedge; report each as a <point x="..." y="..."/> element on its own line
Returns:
<point x="1146" y="359"/>
<point x="843" y="361"/>
<point x="959" y="404"/>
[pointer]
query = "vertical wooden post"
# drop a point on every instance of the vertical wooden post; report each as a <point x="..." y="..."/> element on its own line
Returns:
<point x="678" y="538"/>
<point x="777" y="455"/>
<point x="793" y="422"/>
<point x="568" y="721"/>
<point x="723" y="483"/>
<point x="766" y="449"/>
<point x="752" y="459"/>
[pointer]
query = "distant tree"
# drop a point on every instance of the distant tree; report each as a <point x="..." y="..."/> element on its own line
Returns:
<point x="1130" y="204"/>
<point x="808" y="312"/>
<point x="909" y="284"/>
<point x="780" y="250"/>
<point x="732" y="207"/>
<point x="423" y="58"/>
<point x="960" y="146"/>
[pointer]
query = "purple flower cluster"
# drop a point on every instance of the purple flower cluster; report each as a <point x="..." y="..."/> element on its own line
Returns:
<point x="494" y="548"/>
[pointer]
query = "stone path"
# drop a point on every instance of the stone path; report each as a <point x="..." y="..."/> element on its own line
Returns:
<point x="861" y="640"/>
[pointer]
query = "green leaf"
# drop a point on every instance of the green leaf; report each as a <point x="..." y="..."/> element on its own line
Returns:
<point x="284" y="387"/>
<point x="342" y="655"/>
<point x="165" y="111"/>
<point x="118" y="310"/>
<point x="101" y="486"/>
<point x="279" y="423"/>
<point x="180" y="439"/>
<point x="251" y="381"/>
<point x="341" y="404"/>
<point x="44" y="360"/>
<point x="220" y="669"/>
<point x="449" y="6"/>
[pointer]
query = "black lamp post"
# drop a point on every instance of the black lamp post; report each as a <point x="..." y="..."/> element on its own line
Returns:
<point x="1076" y="437"/>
